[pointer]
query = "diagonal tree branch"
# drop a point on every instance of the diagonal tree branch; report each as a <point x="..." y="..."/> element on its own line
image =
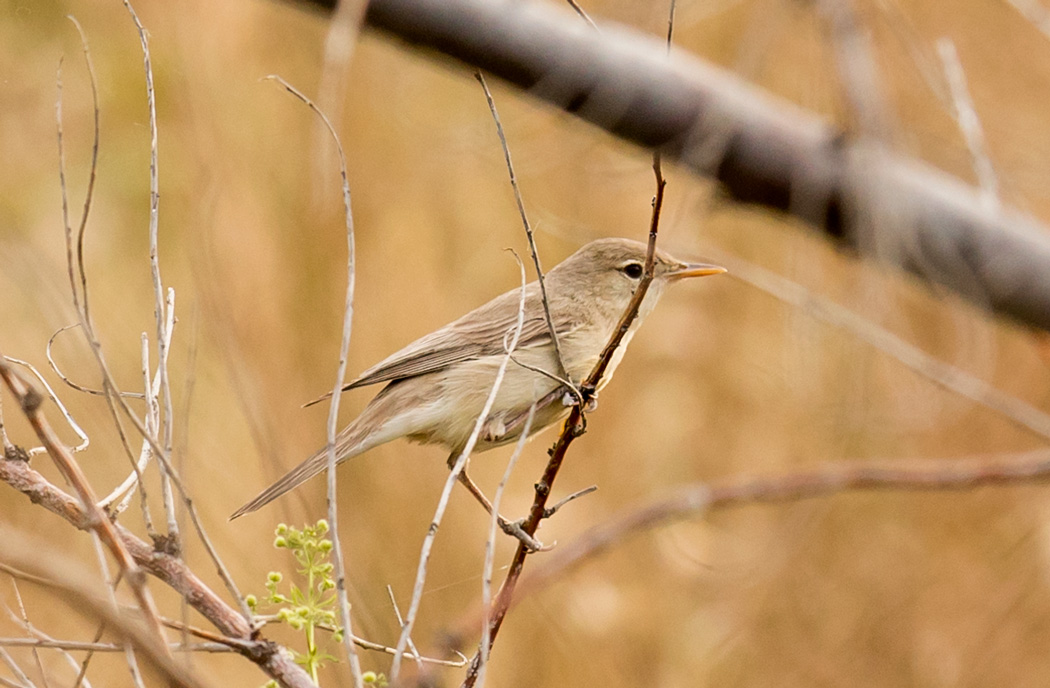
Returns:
<point x="762" y="149"/>
<point x="165" y="567"/>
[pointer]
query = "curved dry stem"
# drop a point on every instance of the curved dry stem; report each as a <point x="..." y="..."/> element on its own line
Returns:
<point x="333" y="410"/>
<point x="84" y="440"/>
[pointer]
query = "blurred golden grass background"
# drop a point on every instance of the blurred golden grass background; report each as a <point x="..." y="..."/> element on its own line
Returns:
<point x="865" y="589"/>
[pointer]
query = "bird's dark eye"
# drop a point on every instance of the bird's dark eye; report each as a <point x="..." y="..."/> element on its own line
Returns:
<point x="632" y="270"/>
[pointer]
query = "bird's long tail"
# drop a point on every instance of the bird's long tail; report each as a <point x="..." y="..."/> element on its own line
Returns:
<point x="349" y="444"/>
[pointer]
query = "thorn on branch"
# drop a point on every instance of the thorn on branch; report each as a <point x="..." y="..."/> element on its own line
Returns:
<point x="550" y="511"/>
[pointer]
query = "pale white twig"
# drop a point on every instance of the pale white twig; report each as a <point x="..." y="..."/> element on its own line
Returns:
<point x="1034" y="12"/>
<point x="490" y="544"/>
<point x="53" y="364"/>
<point x="377" y="647"/>
<point x="167" y="497"/>
<point x="24" y="623"/>
<point x="84" y="440"/>
<point x="62" y="456"/>
<point x="163" y="339"/>
<point x="461" y="461"/>
<point x="20" y="676"/>
<point x="401" y="622"/>
<point x="151" y="388"/>
<point x="67" y="646"/>
<point x="969" y="124"/>
<point x="333" y="409"/>
<point x="114" y="398"/>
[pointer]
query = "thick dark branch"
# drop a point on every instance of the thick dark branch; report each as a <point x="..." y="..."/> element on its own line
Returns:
<point x="763" y="150"/>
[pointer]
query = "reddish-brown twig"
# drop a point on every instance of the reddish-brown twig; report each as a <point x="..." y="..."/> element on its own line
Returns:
<point x="573" y="428"/>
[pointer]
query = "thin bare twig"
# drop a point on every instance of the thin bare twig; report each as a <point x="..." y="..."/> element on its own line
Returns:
<point x="699" y="500"/>
<point x="25" y="623"/>
<point x="36" y="633"/>
<point x="109" y="387"/>
<point x="82" y="674"/>
<point x="573" y="428"/>
<point x="160" y="314"/>
<point x="84" y="440"/>
<point x="165" y="567"/>
<point x="23" y="680"/>
<point x="401" y="622"/>
<point x="114" y="398"/>
<point x="85" y="646"/>
<point x="944" y="374"/>
<point x="856" y="67"/>
<point x="68" y="381"/>
<point x="583" y="15"/>
<point x="969" y="123"/>
<point x="490" y="542"/>
<point x="111" y="597"/>
<point x="5" y="441"/>
<point x="333" y="409"/>
<point x="457" y="468"/>
<point x="150" y="388"/>
<point x="30" y="401"/>
<point x="93" y="170"/>
<point x="29" y="555"/>
<point x="562" y="372"/>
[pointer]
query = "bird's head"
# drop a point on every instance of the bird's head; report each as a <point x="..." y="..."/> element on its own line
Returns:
<point x="606" y="273"/>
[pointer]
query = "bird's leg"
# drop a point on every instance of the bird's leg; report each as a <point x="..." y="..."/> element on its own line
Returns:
<point x="512" y="528"/>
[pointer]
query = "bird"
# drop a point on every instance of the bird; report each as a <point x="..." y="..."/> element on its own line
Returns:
<point x="437" y="386"/>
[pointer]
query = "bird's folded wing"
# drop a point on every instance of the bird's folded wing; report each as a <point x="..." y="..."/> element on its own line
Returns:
<point x="485" y="331"/>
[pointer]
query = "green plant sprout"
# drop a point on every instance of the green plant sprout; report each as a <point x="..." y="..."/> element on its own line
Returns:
<point x="312" y="606"/>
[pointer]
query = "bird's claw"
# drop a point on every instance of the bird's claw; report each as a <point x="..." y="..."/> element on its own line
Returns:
<point x="569" y="399"/>
<point x="514" y="529"/>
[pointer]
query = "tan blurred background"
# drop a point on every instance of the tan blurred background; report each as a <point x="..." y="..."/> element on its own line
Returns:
<point x="865" y="590"/>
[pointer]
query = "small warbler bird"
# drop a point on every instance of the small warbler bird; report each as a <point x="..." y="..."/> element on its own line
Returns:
<point x="437" y="386"/>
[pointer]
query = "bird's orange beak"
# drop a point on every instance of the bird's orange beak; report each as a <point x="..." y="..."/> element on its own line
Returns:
<point x="695" y="270"/>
